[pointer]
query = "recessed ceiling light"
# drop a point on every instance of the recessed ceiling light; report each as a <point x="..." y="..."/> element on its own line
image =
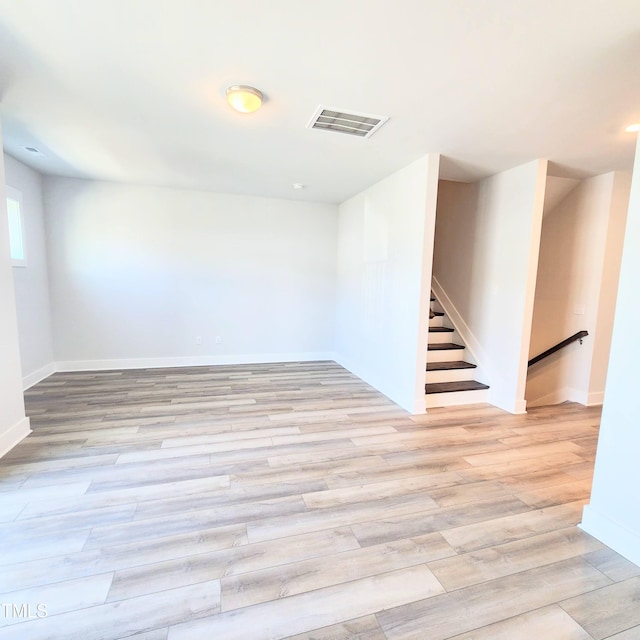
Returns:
<point x="633" y="128"/>
<point x="244" y="99"/>
<point x="298" y="185"/>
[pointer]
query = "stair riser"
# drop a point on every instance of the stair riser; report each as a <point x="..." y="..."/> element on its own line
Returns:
<point x="449" y="398"/>
<point x="446" y="355"/>
<point x="433" y="400"/>
<point x="439" y="338"/>
<point x="451" y="375"/>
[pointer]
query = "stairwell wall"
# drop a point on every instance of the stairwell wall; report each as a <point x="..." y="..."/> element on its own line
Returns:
<point x="485" y="261"/>
<point x="580" y="250"/>
<point x="385" y="245"/>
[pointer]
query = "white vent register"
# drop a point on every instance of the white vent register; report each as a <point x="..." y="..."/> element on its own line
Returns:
<point x="363" y="125"/>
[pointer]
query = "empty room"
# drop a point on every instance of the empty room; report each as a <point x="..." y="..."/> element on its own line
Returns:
<point x="316" y="321"/>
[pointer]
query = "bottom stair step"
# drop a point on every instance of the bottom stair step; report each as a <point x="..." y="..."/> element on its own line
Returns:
<point x="450" y="387"/>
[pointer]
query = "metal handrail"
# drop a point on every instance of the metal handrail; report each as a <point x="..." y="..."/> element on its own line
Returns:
<point x="560" y="345"/>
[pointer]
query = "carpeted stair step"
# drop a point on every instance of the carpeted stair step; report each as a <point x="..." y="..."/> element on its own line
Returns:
<point x="449" y="366"/>
<point x="440" y="330"/>
<point x="449" y="387"/>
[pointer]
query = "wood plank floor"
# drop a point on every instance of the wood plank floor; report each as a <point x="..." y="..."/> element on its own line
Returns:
<point x="294" y="501"/>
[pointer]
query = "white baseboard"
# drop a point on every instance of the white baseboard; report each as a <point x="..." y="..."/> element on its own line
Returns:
<point x="190" y="361"/>
<point x="13" y="435"/>
<point x="595" y="399"/>
<point x="611" y="533"/>
<point x="567" y="394"/>
<point x="40" y="374"/>
<point x="557" y="396"/>
<point x="520" y="407"/>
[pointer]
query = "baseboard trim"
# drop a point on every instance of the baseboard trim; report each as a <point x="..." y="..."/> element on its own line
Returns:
<point x="554" y="397"/>
<point x="611" y="533"/>
<point x="595" y="399"/>
<point x="190" y="361"/>
<point x="520" y="407"/>
<point x="13" y="435"/>
<point x="37" y="376"/>
<point x="567" y="394"/>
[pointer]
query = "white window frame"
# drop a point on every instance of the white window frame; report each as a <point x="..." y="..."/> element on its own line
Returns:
<point x="14" y="194"/>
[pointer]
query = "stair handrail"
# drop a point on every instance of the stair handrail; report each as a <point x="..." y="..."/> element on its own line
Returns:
<point x="560" y="345"/>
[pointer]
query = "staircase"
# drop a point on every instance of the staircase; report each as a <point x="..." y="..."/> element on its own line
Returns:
<point x="449" y="377"/>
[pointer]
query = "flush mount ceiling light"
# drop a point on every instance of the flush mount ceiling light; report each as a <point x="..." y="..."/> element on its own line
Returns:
<point x="633" y="128"/>
<point x="244" y="99"/>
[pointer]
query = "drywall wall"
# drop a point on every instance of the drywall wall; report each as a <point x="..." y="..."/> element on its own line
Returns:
<point x="146" y="276"/>
<point x="384" y="268"/>
<point x="580" y="250"/>
<point x="31" y="282"/>
<point x="555" y="191"/>
<point x="608" y="295"/>
<point x="612" y="515"/>
<point x="14" y="425"/>
<point x="485" y="263"/>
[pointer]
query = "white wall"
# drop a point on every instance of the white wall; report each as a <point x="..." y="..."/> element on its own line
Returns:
<point x="14" y="426"/>
<point x="613" y="515"/>
<point x="31" y="282"/>
<point x="485" y="262"/>
<point x="578" y="269"/>
<point x="608" y="294"/>
<point x="137" y="274"/>
<point x="384" y="270"/>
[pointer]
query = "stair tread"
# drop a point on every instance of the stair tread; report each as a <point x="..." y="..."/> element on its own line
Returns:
<point x="449" y="387"/>
<point x="440" y="330"/>
<point x="444" y="345"/>
<point x="438" y="313"/>
<point x="447" y="366"/>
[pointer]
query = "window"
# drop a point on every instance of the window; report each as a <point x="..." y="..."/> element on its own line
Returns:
<point x="16" y="233"/>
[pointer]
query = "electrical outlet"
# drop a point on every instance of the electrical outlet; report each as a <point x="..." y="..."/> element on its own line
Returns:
<point x="198" y="339"/>
<point x="218" y="339"/>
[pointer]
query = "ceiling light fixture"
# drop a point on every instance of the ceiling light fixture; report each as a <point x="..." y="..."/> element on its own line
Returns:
<point x="244" y="99"/>
<point x="633" y="128"/>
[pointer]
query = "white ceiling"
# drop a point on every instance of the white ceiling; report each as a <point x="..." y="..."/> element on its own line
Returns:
<point x="133" y="90"/>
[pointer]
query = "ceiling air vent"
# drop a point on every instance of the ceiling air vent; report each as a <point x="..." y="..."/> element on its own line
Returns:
<point x="363" y="125"/>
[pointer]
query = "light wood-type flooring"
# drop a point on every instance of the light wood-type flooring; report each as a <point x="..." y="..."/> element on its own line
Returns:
<point x="294" y="501"/>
